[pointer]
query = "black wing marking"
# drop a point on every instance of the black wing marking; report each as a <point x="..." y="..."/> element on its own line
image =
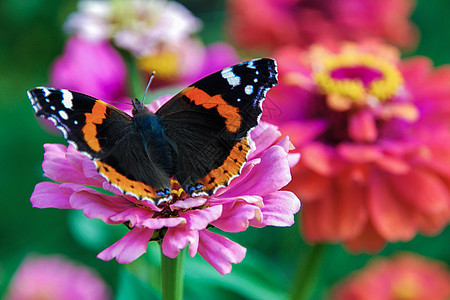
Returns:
<point x="208" y="122"/>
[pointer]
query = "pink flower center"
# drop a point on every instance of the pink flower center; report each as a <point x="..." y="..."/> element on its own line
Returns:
<point x="363" y="74"/>
<point x="357" y="93"/>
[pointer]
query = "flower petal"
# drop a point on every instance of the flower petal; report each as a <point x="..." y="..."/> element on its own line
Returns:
<point x="264" y="135"/>
<point x="158" y="223"/>
<point x="362" y="127"/>
<point x="369" y="240"/>
<point x="392" y="219"/>
<point x="429" y="194"/>
<point x="340" y="215"/>
<point x="270" y="175"/>
<point x="321" y="158"/>
<point x="129" y="247"/>
<point x="219" y="251"/>
<point x="99" y="206"/>
<point x="236" y="216"/>
<point x="135" y="215"/>
<point x="200" y="218"/>
<point x="177" y="238"/>
<point x="279" y="209"/>
<point x="51" y="195"/>
<point x="58" y="168"/>
<point x="189" y="203"/>
<point x="300" y="132"/>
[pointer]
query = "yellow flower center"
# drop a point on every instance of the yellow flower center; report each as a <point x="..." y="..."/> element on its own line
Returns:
<point x="405" y="288"/>
<point x="176" y="189"/>
<point x="164" y="63"/>
<point x="358" y="77"/>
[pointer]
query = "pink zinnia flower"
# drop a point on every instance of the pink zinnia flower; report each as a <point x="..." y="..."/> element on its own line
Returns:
<point x="92" y="67"/>
<point x="252" y="199"/>
<point x="55" y="277"/>
<point x="406" y="276"/>
<point x="273" y="23"/>
<point x="374" y="135"/>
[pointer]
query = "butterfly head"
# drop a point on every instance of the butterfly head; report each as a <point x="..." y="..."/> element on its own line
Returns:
<point x="138" y="107"/>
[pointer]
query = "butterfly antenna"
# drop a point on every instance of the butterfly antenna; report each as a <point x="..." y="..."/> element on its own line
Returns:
<point x="148" y="85"/>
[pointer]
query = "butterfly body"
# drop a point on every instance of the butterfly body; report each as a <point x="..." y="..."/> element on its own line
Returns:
<point x="200" y="137"/>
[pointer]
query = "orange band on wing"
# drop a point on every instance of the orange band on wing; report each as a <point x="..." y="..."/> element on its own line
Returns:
<point x="231" y="114"/>
<point x="230" y="167"/>
<point x="126" y="185"/>
<point x="92" y="119"/>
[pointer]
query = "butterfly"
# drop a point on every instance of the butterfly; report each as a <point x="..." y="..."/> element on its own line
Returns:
<point x="200" y="137"/>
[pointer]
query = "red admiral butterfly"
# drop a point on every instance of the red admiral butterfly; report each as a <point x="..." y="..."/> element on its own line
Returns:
<point x="200" y="136"/>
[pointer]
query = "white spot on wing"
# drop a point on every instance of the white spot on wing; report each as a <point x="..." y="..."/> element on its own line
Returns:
<point x="46" y="93"/>
<point x="67" y="99"/>
<point x="249" y="89"/>
<point x="232" y="78"/>
<point x="63" y="115"/>
<point x="251" y="64"/>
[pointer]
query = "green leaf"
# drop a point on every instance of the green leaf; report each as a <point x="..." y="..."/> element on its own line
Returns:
<point x="132" y="288"/>
<point x="93" y="234"/>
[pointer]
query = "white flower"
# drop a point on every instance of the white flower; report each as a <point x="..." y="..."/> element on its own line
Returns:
<point x="142" y="27"/>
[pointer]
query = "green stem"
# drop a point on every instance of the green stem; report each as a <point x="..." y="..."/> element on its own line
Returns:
<point x="307" y="272"/>
<point x="172" y="277"/>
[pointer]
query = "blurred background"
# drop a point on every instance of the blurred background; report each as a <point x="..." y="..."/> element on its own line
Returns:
<point x="31" y="37"/>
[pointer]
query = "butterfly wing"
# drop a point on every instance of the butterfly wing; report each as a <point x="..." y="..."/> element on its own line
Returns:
<point x="106" y="135"/>
<point x="209" y="123"/>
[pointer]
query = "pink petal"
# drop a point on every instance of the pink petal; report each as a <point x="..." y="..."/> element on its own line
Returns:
<point x="246" y="170"/>
<point x="129" y="247"/>
<point x="359" y="153"/>
<point x="219" y="251"/>
<point x="391" y="218"/>
<point x="57" y="167"/>
<point x="135" y="215"/>
<point x="235" y="217"/>
<point x="339" y="215"/>
<point x="158" y="223"/>
<point x="300" y="132"/>
<point x="270" y="175"/>
<point x="362" y="127"/>
<point x="279" y="209"/>
<point x="177" y="238"/>
<point x="99" y="206"/>
<point x="189" y="203"/>
<point x="320" y="158"/>
<point x="51" y="195"/>
<point x="432" y="224"/>
<point x="394" y="165"/>
<point x="200" y="218"/>
<point x="369" y="240"/>
<point x="264" y="135"/>
<point x="293" y="159"/>
<point x="82" y="163"/>
<point x="429" y="194"/>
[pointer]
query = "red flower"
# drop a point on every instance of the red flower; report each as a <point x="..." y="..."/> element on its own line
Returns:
<point x="406" y="276"/>
<point x="374" y="136"/>
<point x="273" y="23"/>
